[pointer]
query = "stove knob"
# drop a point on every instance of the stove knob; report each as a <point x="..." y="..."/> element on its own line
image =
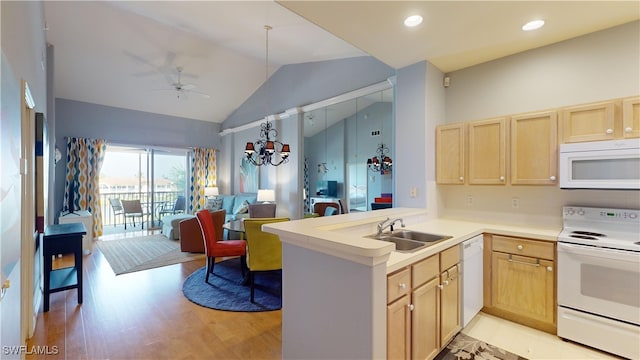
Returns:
<point x="633" y="215"/>
<point x="570" y="212"/>
<point x="580" y="212"/>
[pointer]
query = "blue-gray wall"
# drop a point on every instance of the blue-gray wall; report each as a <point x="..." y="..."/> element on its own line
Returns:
<point x="290" y="87"/>
<point x="303" y="84"/>
<point x="122" y="126"/>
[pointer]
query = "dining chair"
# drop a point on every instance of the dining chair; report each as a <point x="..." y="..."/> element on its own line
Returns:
<point x="262" y="210"/>
<point x="214" y="246"/>
<point x="132" y="209"/>
<point x="264" y="250"/>
<point x="116" y="207"/>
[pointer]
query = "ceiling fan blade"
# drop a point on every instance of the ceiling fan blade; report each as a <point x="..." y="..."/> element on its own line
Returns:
<point x="187" y="86"/>
<point x="206" y="96"/>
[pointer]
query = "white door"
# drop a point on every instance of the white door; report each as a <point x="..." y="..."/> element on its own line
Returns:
<point x="10" y="216"/>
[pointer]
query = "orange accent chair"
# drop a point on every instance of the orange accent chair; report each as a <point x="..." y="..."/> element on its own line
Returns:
<point x="211" y="225"/>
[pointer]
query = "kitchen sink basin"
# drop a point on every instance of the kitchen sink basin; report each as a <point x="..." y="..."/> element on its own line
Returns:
<point x="418" y="236"/>
<point x="408" y="240"/>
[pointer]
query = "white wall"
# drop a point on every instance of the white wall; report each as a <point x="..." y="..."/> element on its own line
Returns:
<point x="595" y="67"/>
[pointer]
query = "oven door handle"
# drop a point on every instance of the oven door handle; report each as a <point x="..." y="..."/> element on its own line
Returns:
<point x="613" y="254"/>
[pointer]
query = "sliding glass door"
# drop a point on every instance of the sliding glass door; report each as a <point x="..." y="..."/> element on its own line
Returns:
<point x="155" y="176"/>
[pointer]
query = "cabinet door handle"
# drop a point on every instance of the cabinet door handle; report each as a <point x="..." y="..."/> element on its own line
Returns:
<point x="411" y="307"/>
<point x="402" y="286"/>
<point x="609" y="131"/>
<point x="501" y="178"/>
<point x="552" y="178"/>
<point x="537" y="264"/>
<point x="520" y="247"/>
<point x="549" y="269"/>
<point x="440" y="286"/>
<point x="461" y="178"/>
<point x="628" y="129"/>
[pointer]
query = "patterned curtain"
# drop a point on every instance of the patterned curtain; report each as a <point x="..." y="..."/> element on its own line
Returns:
<point x="84" y="160"/>
<point x="203" y="174"/>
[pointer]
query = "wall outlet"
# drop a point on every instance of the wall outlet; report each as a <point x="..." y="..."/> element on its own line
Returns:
<point x="469" y="200"/>
<point x="515" y="202"/>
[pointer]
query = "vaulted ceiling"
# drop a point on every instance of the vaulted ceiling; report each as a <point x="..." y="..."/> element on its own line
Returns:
<point x="126" y="54"/>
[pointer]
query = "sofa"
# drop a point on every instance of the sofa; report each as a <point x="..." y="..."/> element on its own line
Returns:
<point x="236" y="206"/>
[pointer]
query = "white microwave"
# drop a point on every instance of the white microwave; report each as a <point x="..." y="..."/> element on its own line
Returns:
<point x="609" y="164"/>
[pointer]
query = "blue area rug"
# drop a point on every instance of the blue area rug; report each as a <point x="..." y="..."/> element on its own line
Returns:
<point x="225" y="290"/>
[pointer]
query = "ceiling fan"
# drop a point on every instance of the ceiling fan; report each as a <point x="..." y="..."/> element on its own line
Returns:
<point x="182" y="89"/>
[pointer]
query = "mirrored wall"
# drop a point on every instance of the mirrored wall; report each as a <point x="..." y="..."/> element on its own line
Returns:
<point x="348" y="148"/>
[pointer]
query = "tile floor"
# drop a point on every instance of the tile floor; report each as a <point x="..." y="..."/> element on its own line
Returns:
<point x="527" y="342"/>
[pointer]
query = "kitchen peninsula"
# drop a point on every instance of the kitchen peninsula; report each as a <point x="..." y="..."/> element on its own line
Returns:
<point x="335" y="279"/>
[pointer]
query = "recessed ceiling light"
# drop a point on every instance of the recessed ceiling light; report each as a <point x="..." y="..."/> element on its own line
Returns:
<point x="533" y="25"/>
<point x="413" y="20"/>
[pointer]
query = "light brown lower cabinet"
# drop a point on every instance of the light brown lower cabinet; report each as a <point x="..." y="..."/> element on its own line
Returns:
<point x="423" y="311"/>
<point x="520" y="281"/>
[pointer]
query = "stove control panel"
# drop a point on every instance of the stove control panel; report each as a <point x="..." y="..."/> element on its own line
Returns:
<point x="601" y="214"/>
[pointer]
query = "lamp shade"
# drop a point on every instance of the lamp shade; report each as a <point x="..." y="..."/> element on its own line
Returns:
<point x="210" y="191"/>
<point x="266" y="195"/>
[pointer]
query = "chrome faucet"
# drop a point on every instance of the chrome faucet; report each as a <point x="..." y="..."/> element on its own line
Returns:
<point x="388" y="224"/>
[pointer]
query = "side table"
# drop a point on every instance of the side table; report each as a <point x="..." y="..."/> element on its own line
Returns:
<point x="62" y="239"/>
<point x="85" y="217"/>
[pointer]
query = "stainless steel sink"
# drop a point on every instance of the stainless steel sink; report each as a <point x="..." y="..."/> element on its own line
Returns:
<point x="408" y="240"/>
<point x="418" y="236"/>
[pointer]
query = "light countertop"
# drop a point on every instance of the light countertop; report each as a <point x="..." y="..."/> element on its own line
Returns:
<point x="344" y="235"/>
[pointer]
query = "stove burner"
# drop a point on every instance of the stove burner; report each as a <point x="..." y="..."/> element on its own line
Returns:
<point x="588" y="233"/>
<point x="583" y="237"/>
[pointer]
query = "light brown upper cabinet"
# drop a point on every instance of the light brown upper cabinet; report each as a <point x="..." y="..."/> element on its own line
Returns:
<point x="487" y="151"/>
<point x="591" y="122"/>
<point x="534" y="148"/>
<point x="631" y="117"/>
<point x="450" y="144"/>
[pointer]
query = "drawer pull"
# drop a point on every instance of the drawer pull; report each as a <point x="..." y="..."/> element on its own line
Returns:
<point x="537" y="264"/>
<point x="520" y="247"/>
<point x="402" y="286"/>
<point x="549" y="269"/>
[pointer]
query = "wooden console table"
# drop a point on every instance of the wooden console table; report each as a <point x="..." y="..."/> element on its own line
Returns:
<point x="62" y="239"/>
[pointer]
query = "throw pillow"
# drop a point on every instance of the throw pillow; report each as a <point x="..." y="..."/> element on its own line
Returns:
<point x="243" y="208"/>
<point x="213" y="204"/>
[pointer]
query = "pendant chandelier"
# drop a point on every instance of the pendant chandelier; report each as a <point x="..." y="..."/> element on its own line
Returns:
<point x="381" y="163"/>
<point x="267" y="150"/>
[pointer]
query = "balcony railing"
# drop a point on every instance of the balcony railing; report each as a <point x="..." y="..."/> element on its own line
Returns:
<point x="160" y="198"/>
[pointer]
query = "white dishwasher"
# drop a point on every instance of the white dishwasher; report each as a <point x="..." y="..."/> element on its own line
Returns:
<point x="472" y="282"/>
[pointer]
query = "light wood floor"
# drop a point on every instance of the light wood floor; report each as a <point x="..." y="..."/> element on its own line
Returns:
<point x="143" y="315"/>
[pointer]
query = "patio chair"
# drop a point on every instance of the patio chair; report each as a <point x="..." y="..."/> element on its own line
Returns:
<point x="178" y="207"/>
<point x="133" y="210"/>
<point x="116" y="206"/>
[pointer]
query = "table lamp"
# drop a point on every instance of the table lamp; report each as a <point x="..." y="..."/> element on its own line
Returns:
<point x="210" y="191"/>
<point x="266" y="196"/>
